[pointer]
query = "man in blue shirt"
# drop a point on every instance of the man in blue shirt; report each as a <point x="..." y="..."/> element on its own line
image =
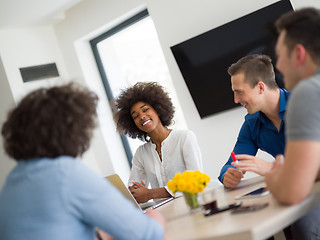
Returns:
<point x="254" y="87"/>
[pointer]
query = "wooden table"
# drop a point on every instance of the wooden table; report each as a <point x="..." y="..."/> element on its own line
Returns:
<point x="183" y="225"/>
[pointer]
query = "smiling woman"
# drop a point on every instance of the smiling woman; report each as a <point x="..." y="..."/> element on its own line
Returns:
<point x="129" y="53"/>
<point x="154" y="96"/>
<point x="145" y="111"/>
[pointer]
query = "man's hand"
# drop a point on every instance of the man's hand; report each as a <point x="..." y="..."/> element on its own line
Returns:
<point x="232" y="177"/>
<point x="274" y="172"/>
<point x="252" y="164"/>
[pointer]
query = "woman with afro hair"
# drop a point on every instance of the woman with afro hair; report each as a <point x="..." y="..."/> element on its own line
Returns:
<point x="145" y="111"/>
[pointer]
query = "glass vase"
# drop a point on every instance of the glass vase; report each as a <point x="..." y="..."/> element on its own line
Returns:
<point x="192" y="201"/>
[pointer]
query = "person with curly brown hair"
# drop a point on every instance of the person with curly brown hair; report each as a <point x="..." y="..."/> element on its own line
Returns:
<point x="52" y="195"/>
<point x="145" y="111"/>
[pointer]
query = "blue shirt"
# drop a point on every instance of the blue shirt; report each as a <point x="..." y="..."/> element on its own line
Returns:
<point x="61" y="199"/>
<point x="258" y="132"/>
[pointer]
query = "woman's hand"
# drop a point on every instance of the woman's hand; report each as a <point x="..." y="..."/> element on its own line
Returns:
<point x="140" y="192"/>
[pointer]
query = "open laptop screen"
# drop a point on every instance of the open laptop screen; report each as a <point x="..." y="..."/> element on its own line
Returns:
<point x="118" y="183"/>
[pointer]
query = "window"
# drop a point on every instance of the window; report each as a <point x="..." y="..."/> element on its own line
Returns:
<point x="130" y="53"/>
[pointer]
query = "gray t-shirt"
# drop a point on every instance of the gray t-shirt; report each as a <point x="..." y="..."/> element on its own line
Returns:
<point x="303" y="111"/>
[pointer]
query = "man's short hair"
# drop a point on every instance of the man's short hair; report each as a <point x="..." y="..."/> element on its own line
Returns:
<point x="256" y="67"/>
<point x="302" y="27"/>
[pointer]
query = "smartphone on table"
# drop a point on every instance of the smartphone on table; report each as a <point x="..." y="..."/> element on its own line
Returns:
<point x="250" y="208"/>
<point x="222" y="209"/>
<point x="259" y="192"/>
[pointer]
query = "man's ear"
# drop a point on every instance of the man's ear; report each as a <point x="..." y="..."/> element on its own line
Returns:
<point x="300" y="54"/>
<point x="261" y="86"/>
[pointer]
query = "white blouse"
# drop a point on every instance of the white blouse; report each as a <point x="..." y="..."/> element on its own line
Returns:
<point x="180" y="151"/>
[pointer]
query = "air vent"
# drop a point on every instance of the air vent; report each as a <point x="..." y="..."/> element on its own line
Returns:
<point x="39" y="72"/>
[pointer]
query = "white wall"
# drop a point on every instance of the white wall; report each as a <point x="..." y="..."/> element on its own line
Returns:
<point x="6" y="102"/>
<point x="30" y="47"/>
<point x="67" y="45"/>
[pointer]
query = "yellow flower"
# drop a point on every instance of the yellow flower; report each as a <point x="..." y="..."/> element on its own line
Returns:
<point x="172" y="186"/>
<point x="177" y="177"/>
<point x="188" y="181"/>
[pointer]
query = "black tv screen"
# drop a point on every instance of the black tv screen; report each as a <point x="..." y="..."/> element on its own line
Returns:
<point x="204" y="60"/>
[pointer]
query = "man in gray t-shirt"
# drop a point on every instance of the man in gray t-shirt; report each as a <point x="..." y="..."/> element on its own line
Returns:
<point x="303" y="114"/>
<point x="298" y="51"/>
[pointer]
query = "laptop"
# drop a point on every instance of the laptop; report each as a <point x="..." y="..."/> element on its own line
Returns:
<point x="118" y="183"/>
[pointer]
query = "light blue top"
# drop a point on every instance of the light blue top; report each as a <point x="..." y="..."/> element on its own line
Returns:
<point x="57" y="199"/>
<point x="258" y="132"/>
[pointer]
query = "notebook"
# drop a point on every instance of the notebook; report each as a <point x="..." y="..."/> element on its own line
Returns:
<point x="118" y="183"/>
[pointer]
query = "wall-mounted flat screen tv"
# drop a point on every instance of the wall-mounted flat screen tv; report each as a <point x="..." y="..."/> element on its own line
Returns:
<point x="203" y="60"/>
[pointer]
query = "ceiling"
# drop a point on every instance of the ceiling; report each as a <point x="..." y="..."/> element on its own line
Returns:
<point x="31" y="13"/>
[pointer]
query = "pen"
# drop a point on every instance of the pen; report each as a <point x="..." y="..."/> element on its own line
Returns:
<point x="233" y="156"/>
<point x="134" y="183"/>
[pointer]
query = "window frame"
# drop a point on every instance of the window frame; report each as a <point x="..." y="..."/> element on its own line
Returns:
<point x="94" y="46"/>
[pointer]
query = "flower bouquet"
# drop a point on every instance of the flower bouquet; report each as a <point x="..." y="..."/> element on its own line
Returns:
<point x="190" y="184"/>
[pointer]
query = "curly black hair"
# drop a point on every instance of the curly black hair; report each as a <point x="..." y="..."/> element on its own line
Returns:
<point x="50" y="122"/>
<point x="148" y="92"/>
